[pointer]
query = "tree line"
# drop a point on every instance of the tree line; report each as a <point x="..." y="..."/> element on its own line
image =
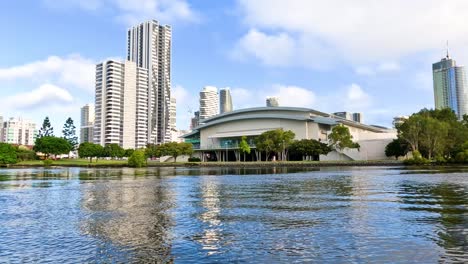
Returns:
<point x="282" y="144"/>
<point x="432" y="135"/>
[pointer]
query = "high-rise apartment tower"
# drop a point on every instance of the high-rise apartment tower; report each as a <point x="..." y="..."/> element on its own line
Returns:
<point x="450" y="87"/>
<point x="208" y="102"/>
<point x="87" y="123"/>
<point x="149" y="46"/>
<point x="121" y="104"/>
<point x="225" y="100"/>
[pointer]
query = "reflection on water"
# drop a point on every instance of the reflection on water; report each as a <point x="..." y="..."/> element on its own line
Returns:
<point x="205" y="215"/>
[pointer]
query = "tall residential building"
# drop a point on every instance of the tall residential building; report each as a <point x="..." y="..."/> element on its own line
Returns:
<point x="209" y="102"/>
<point x="121" y="104"/>
<point x="225" y="100"/>
<point x="87" y="123"/>
<point x="272" y="101"/>
<point x="149" y="46"/>
<point x="450" y="87"/>
<point x="172" y="120"/>
<point x="19" y="131"/>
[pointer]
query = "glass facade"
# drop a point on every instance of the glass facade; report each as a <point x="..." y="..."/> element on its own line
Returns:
<point x="450" y="88"/>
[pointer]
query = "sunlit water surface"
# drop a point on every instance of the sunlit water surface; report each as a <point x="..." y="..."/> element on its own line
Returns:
<point x="328" y="215"/>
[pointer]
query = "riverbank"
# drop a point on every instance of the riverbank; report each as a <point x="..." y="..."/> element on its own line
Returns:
<point x="123" y="163"/>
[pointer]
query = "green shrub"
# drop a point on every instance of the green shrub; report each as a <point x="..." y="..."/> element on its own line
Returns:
<point x="47" y="162"/>
<point x="440" y="159"/>
<point x="137" y="159"/>
<point x="194" y="159"/>
<point x="417" y="159"/>
<point x="7" y="154"/>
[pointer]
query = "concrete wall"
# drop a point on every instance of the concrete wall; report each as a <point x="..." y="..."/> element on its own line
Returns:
<point x="370" y="150"/>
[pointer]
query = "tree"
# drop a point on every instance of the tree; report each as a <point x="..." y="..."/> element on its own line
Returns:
<point x="411" y="130"/>
<point x="306" y="148"/>
<point x="7" y="154"/>
<point x="69" y="133"/>
<point x="152" y="151"/>
<point x="129" y="152"/>
<point x="46" y="130"/>
<point x="137" y="159"/>
<point x="276" y="141"/>
<point x="244" y="146"/>
<point x="340" y="138"/>
<point x="397" y="148"/>
<point x="113" y="150"/>
<point x="90" y="150"/>
<point x="433" y="136"/>
<point x="174" y="149"/>
<point x="52" y="145"/>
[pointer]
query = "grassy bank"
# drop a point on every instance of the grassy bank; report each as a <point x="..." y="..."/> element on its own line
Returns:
<point x="123" y="163"/>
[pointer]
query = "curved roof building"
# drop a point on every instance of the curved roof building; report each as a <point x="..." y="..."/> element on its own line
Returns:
<point x="225" y="130"/>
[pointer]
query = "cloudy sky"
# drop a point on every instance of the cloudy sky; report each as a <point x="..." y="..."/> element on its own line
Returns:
<point x="337" y="55"/>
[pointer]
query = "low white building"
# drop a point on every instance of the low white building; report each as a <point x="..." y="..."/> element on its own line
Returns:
<point x="219" y="136"/>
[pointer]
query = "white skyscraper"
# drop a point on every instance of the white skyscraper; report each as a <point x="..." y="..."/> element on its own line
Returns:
<point x="87" y="123"/>
<point x="19" y="131"/>
<point x="209" y="102"/>
<point x="149" y="46"/>
<point x="225" y="100"/>
<point x="173" y="114"/>
<point x="121" y="104"/>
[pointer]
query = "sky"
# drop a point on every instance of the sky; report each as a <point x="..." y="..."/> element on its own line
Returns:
<point x="364" y="56"/>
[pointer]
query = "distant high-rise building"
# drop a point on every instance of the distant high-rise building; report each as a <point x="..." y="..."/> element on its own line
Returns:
<point x="357" y="117"/>
<point x="272" y="101"/>
<point x="121" y="104"/>
<point x="209" y="102"/>
<point x="450" y="87"/>
<point x="195" y="121"/>
<point x="398" y="120"/>
<point x="87" y="123"/>
<point x="345" y="115"/>
<point x="149" y="46"/>
<point x="19" y="131"/>
<point x="225" y="100"/>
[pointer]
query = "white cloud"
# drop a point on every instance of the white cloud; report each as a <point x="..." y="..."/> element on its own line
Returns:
<point x="294" y="96"/>
<point x="273" y="50"/>
<point x="363" y="31"/>
<point x="134" y="11"/>
<point x="384" y="67"/>
<point x="45" y="96"/>
<point x="72" y="70"/>
<point x="364" y="70"/>
<point x="388" y="67"/>
<point x="356" y="99"/>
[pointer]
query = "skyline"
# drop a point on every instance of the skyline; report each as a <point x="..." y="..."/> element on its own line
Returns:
<point x="255" y="50"/>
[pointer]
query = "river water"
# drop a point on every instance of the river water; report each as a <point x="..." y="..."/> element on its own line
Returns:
<point x="207" y="215"/>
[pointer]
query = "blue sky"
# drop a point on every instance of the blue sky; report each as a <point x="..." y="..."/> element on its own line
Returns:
<point x="336" y="55"/>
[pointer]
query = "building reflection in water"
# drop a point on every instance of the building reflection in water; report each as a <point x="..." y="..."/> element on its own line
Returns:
<point x="131" y="219"/>
<point x="210" y="202"/>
